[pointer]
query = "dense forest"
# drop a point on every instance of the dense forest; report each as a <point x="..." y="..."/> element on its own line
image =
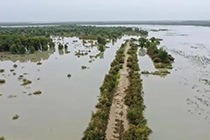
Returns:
<point x="19" y="40"/>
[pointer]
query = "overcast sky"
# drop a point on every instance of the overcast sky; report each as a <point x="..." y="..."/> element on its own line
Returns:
<point x="103" y="10"/>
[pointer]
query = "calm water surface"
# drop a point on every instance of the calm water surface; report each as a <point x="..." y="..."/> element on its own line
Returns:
<point x="178" y="105"/>
<point x="63" y="110"/>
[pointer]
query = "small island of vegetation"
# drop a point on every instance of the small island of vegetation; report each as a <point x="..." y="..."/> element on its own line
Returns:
<point x="159" y="56"/>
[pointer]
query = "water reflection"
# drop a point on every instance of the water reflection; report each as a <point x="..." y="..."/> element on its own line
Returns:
<point x="63" y="110"/>
<point x="35" y="57"/>
<point x="179" y="103"/>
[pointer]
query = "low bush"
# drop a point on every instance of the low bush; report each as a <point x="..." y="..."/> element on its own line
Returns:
<point x="60" y="46"/>
<point x="1" y="70"/>
<point x="2" y="81"/>
<point x="138" y="129"/>
<point x="99" y="120"/>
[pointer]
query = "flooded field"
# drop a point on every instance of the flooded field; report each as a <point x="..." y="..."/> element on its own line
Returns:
<point x="68" y="92"/>
<point x="178" y="105"/>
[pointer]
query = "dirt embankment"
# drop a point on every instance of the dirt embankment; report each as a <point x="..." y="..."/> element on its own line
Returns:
<point x="117" y="118"/>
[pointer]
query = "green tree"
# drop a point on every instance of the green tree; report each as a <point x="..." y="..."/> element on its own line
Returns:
<point x="101" y="48"/>
<point x="162" y="54"/>
<point x="52" y="44"/>
<point x="60" y="46"/>
<point x="139" y="132"/>
<point x="31" y="49"/>
<point x="101" y="40"/>
<point x="153" y="39"/>
<point x="66" y="46"/>
<point x="14" y="49"/>
<point x="142" y="42"/>
<point x="21" y="49"/>
<point x="45" y="48"/>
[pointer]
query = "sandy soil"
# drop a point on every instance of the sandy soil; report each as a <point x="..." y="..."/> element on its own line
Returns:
<point x="117" y="118"/>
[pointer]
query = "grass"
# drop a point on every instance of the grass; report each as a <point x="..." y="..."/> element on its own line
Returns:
<point x="2" y="138"/>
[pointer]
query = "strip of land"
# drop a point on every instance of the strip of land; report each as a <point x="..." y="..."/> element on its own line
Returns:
<point x="117" y="118"/>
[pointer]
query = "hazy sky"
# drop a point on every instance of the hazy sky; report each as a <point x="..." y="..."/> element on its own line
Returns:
<point x="103" y="10"/>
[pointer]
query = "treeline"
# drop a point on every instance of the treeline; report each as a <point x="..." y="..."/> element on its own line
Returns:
<point x="20" y="40"/>
<point x="160" y="57"/>
<point x="84" y="32"/>
<point x="98" y="124"/>
<point x="138" y="129"/>
<point x="20" y="44"/>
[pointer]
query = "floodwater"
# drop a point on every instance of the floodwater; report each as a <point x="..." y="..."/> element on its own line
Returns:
<point x="63" y="110"/>
<point x="178" y="106"/>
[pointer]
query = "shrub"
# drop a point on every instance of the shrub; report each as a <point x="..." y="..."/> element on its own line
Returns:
<point x="66" y="46"/>
<point x="44" y="47"/>
<point x="98" y="124"/>
<point x="26" y="82"/>
<point x="101" y="47"/>
<point x="15" y="117"/>
<point x="134" y="100"/>
<point x="21" y="49"/>
<point x="31" y="49"/>
<point x="1" y="70"/>
<point x="14" y="49"/>
<point x="37" y="92"/>
<point x="15" y="65"/>
<point x="2" y="81"/>
<point x="156" y="60"/>
<point x="60" y="46"/>
<point x="162" y="54"/>
<point x="101" y="40"/>
<point x="137" y="132"/>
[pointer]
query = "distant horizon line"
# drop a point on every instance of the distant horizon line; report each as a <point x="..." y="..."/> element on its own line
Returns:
<point x="78" y="21"/>
<point x="143" y="22"/>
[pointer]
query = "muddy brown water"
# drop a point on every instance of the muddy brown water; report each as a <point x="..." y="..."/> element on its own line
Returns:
<point x="63" y="110"/>
<point x="178" y="106"/>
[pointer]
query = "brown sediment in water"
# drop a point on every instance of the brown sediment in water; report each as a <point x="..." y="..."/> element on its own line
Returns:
<point x="117" y="118"/>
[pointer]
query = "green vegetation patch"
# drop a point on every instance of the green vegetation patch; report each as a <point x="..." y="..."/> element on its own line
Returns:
<point x="1" y="70"/>
<point x="15" y="117"/>
<point x="26" y="82"/>
<point x="99" y="120"/>
<point x="160" y="57"/>
<point x="138" y="129"/>
<point x="22" y="40"/>
<point x="37" y="92"/>
<point x="2" y="81"/>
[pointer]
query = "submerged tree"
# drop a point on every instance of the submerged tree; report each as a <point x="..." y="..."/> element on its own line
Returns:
<point x="60" y="46"/>
<point x="101" y="40"/>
